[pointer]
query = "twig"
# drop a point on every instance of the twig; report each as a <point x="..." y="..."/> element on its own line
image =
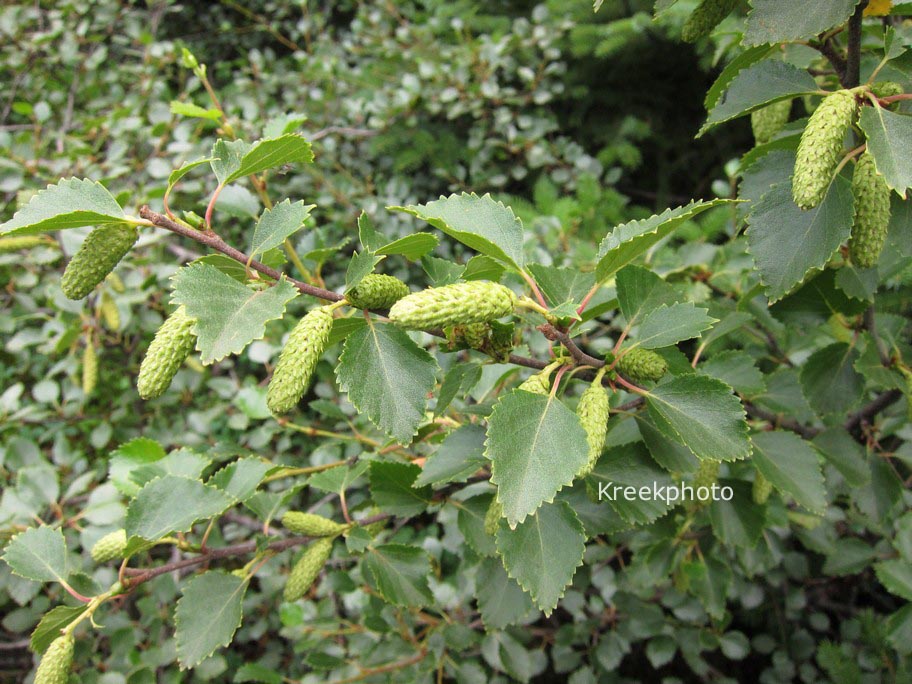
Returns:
<point x="864" y="415"/>
<point x="853" y="59"/>
<point x="790" y="424"/>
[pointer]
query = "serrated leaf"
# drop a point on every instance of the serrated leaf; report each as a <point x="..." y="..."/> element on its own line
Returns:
<point x="740" y="521"/>
<point x="630" y="466"/>
<point x="561" y="284"/>
<point x="829" y="380"/>
<point x="757" y="86"/>
<point x="896" y="576"/>
<point x="889" y="137"/>
<point x="470" y="520"/>
<point x="668" y="325"/>
<point x="388" y="377"/>
<point x="393" y="489"/>
<point x="229" y="315"/>
<point x="186" y="168"/>
<point x="399" y="572"/>
<point x="774" y="21"/>
<point x="129" y="456"/>
<point x="193" y="111"/>
<point x="846" y="455"/>
<point x="639" y="291"/>
<point x="240" y="479"/>
<point x="237" y="159"/>
<point x="71" y="203"/>
<point x="501" y="601"/>
<point x="709" y="580"/>
<point x="172" y="504"/>
<point x="412" y="247"/>
<point x="736" y="369"/>
<point x="207" y="615"/>
<point x="732" y="69"/>
<point x="38" y="554"/>
<point x="481" y="223"/>
<point x="629" y="240"/>
<point x="792" y="466"/>
<point x="526" y="432"/>
<point x="277" y="224"/>
<point x="787" y="242"/>
<point x="459" y="456"/>
<point x="543" y="552"/>
<point x="239" y="202"/>
<point x="702" y="414"/>
<point x="360" y="265"/>
<point x="50" y="625"/>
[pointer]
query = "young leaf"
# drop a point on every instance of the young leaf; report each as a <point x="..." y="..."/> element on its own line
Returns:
<point x="240" y="479"/>
<point x="889" y="137"/>
<point x="629" y="240"/>
<point x="393" y="488"/>
<point x="236" y="159"/>
<point x="543" y="552"/>
<point x="829" y="379"/>
<point x="388" y="377"/>
<point x="702" y="414"/>
<point x="787" y="242"/>
<point x="793" y="467"/>
<point x="667" y="325"/>
<point x="361" y="264"/>
<point x="129" y="456"/>
<point x="38" y="554"/>
<point x="172" y="504"/>
<point x="561" y="284"/>
<point x="71" y="203"/>
<point x="229" y="315"/>
<point x="774" y="21"/>
<point x="411" y="246"/>
<point x="193" y="111"/>
<point x="536" y="445"/>
<point x="640" y="291"/>
<point x="277" y="224"/>
<point x="207" y="616"/>
<point x="399" y="572"/>
<point x="485" y="225"/>
<point x="184" y="169"/>
<point x="50" y="625"/>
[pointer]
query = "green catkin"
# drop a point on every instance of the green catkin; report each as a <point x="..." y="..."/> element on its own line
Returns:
<point x="311" y="525"/>
<point x="707" y="15"/>
<point x="821" y="147"/>
<point x="109" y="312"/>
<point x="473" y="335"/>
<point x="56" y="661"/>
<point x="172" y="345"/>
<point x="17" y="242"/>
<point x="768" y="121"/>
<point x="872" y="213"/>
<point x="886" y="89"/>
<point x="536" y="384"/>
<point x="89" y="368"/>
<point x="110" y="547"/>
<point x="376" y="291"/>
<point x="593" y="414"/>
<point x="492" y="517"/>
<point x="457" y="304"/>
<point x="100" y="253"/>
<point x="641" y="365"/>
<point x="305" y="571"/>
<point x="298" y="359"/>
<point x="706" y="476"/>
<point x="762" y="489"/>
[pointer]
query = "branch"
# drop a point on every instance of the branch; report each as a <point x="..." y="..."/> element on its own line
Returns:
<point x="853" y="60"/>
<point x="828" y="50"/>
<point x="790" y="424"/>
<point x="865" y="414"/>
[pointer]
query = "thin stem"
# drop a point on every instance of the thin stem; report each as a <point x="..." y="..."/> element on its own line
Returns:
<point x="853" y="59"/>
<point x="629" y="385"/>
<point x="211" y="206"/>
<point x="294" y="472"/>
<point x="589" y="295"/>
<point x="534" y="286"/>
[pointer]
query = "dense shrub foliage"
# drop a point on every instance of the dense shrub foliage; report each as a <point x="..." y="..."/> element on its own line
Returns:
<point x="456" y="341"/>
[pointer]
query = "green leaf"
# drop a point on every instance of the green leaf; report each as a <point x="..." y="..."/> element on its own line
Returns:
<point x="898" y="628"/>
<point x="640" y="291"/>
<point x="207" y="615"/>
<point x="738" y="522"/>
<point x="277" y="224"/>
<point x="238" y="201"/>
<point x="481" y="223"/>
<point x="393" y="491"/>
<point x="229" y="315"/>
<point x="774" y="21"/>
<point x="360" y="265"/>
<point x="399" y="573"/>
<point x="792" y="466"/>
<point x="736" y="369"/>
<point x="889" y="137"/>
<point x="186" y="168"/>
<point x="630" y="466"/>
<point x="732" y="69"/>
<point x="787" y="242"/>
<point x="561" y="284"/>
<point x="846" y="455"/>
<point x="501" y="601"/>
<point x="702" y="414"/>
<point x="674" y="457"/>
<point x="896" y="576"/>
<point x="388" y="377"/>
<point x="543" y="552"/>
<point x="129" y="456"/>
<point x="412" y="247"/>
<point x="240" y="479"/>
<point x="668" y="325"/>
<point x="525" y="433"/>
<point x="71" y="203"/>
<point x="237" y="159"/>
<point x="172" y="504"/>
<point x="829" y="379"/>
<point x="193" y="111"/>
<point x="481" y="267"/>
<point x="629" y="240"/>
<point x="757" y="86"/>
<point x="460" y="455"/>
<point x="470" y="520"/>
<point x="709" y="581"/>
<point x="50" y="625"/>
<point x="458" y="381"/>
<point x="38" y="554"/>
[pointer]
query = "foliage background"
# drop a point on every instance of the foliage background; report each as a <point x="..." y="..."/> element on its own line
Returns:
<point x="580" y="121"/>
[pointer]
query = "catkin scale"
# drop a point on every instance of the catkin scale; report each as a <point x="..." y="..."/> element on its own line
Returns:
<point x="457" y="304"/>
<point x="706" y="475"/>
<point x="96" y="258"/>
<point x="107" y="307"/>
<point x="89" y="368"/>
<point x="641" y="365"/>
<point x="492" y="517"/>
<point x="536" y="384"/>
<point x="111" y="546"/>
<point x="821" y="147"/>
<point x="54" y="667"/>
<point x="376" y="291"/>
<point x="593" y="414"/>
<point x="311" y="525"/>
<point x="298" y="359"/>
<point x="305" y="571"/>
<point x="761" y="489"/>
<point x="872" y="213"/>
<point x="768" y="121"/>
<point x="172" y="345"/>
<point x="707" y="15"/>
